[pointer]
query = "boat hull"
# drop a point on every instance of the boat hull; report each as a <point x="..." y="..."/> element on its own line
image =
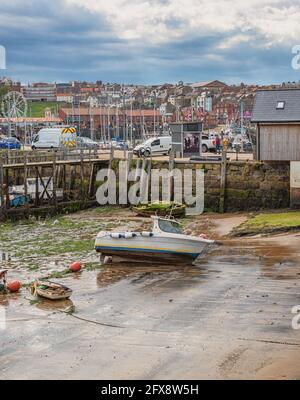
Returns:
<point x="154" y="249"/>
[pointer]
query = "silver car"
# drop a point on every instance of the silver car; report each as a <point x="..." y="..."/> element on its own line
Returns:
<point x="86" y="143"/>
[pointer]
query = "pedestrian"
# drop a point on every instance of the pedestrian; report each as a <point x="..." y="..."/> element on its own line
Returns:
<point x="225" y="143"/>
<point x="218" y="144"/>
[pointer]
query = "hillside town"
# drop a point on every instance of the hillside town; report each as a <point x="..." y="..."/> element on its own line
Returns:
<point x="96" y="108"/>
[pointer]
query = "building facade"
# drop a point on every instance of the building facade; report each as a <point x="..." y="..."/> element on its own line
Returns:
<point x="40" y="92"/>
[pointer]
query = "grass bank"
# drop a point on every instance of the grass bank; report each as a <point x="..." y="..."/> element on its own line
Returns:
<point x="269" y="223"/>
<point x="37" y="110"/>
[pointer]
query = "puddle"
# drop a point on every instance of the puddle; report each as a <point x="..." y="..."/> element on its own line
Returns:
<point x="66" y="306"/>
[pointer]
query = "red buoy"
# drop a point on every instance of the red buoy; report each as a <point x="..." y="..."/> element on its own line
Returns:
<point x="75" y="267"/>
<point x="14" y="287"/>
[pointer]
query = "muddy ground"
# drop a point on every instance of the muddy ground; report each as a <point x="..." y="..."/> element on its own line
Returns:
<point x="229" y="316"/>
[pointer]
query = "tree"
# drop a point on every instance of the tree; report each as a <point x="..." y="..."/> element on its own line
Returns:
<point x="4" y="89"/>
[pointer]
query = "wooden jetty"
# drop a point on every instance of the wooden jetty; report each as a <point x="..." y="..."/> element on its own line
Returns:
<point x="48" y="182"/>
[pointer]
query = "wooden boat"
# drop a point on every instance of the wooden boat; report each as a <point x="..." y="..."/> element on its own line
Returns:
<point x="50" y="290"/>
<point x="165" y="243"/>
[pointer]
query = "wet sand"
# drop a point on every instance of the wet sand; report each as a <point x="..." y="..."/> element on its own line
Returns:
<point x="228" y="317"/>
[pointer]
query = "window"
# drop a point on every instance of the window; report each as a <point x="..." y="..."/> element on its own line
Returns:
<point x="155" y="143"/>
<point x="169" y="226"/>
<point x="280" y="105"/>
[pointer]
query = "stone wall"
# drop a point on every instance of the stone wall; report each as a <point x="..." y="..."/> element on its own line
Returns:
<point x="249" y="186"/>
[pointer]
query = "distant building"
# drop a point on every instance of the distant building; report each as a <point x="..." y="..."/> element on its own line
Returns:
<point x="40" y="92"/>
<point x="113" y="120"/>
<point x="167" y="108"/>
<point x="64" y="98"/>
<point x="204" y="102"/>
<point x="65" y="88"/>
<point x="182" y="101"/>
<point x="214" y="86"/>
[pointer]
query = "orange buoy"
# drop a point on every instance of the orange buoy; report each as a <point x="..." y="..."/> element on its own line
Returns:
<point x="75" y="267"/>
<point x="14" y="287"/>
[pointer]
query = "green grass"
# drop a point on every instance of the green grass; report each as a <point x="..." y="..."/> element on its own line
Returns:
<point x="281" y="220"/>
<point x="37" y="110"/>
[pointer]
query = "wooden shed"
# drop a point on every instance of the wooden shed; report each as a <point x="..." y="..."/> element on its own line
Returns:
<point x="277" y="115"/>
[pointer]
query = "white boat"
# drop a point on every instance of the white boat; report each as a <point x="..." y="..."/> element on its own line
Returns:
<point x="166" y="242"/>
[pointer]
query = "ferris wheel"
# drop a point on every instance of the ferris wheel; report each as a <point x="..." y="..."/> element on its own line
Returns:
<point x="14" y="105"/>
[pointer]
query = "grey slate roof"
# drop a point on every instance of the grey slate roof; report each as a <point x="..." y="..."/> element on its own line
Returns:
<point x="266" y="101"/>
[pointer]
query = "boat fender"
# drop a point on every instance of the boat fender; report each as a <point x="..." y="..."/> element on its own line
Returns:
<point x="147" y="234"/>
<point x="116" y="235"/>
<point x="130" y="235"/>
<point x="203" y="236"/>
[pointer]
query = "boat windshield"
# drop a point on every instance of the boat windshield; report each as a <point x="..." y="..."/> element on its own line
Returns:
<point x="169" y="226"/>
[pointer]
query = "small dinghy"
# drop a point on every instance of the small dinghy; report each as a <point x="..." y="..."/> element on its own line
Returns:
<point x="50" y="290"/>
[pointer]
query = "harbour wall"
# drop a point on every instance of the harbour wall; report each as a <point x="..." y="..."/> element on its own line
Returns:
<point x="246" y="186"/>
<point x="229" y="185"/>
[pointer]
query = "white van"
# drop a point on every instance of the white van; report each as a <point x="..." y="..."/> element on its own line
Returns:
<point x="55" y="138"/>
<point x="155" y="146"/>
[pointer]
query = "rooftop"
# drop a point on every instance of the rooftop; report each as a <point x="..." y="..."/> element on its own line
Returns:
<point x="207" y="83"/>
<point x="277" y="106"/>
<point x="86" y="111"/>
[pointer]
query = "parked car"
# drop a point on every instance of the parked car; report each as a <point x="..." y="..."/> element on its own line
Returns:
<point x="243" y="146"/>
<point x="86" y="143"/>
<point x="208" y="144"/>
<point x="155" y="146"/>
<point x="247" y="147"/>
<point x="10" y="143"/>
<point x="120" y="145"/>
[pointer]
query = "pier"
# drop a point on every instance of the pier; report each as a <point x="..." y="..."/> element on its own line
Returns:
<point x="44" y="183"/>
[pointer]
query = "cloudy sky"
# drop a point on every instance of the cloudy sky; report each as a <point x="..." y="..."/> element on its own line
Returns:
<point x="150" y="41"/>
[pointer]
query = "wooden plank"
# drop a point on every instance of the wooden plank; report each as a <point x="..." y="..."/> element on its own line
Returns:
<point x="37" y="192"/>
<point x="82" y="194"/>
<point x="1" y="188"/>
<point x="223" y="183"/>
<point x="280" y="142"/>
<point x="54" y="180"/>
<point x="92" y="181"/>
<point x="25" y="184"/>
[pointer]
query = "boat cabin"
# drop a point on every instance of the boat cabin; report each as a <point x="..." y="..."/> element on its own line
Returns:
<point x="166" y="226"/>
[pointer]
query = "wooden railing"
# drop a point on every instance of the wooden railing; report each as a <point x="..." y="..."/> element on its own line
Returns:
<point x="12" y="157"/>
